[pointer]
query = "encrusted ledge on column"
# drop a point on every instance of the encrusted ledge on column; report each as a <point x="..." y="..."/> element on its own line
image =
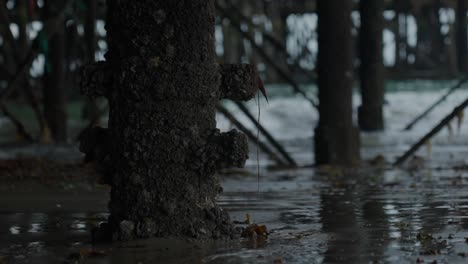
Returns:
<point x="224" y="150"/>
<point x="239" y="82"/>
<point x="231" y="149"/>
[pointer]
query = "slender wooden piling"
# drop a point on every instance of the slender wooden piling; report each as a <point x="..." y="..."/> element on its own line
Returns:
<point x="336" y="138"/>
<point x="54" y="89"/>
<point x="370" y="113"/>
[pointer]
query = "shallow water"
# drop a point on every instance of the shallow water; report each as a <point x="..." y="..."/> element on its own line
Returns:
<point x="314" y="215"/>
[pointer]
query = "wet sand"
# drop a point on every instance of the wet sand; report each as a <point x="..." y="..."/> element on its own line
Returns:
<point x="375" y="214"/>
<point x="313" y="216"/>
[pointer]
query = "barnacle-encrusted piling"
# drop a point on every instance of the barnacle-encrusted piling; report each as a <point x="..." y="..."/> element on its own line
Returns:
<point x="163" y="83"/>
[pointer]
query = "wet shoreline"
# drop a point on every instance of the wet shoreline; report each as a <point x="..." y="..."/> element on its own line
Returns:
<point x="375" y="214"/>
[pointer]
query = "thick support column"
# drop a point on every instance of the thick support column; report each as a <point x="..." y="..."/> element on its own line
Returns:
<point x="336" y="138"/>
<point x="163" y="84"/>
<point x="371" y="69"/>
<point x="462" y="37"/>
